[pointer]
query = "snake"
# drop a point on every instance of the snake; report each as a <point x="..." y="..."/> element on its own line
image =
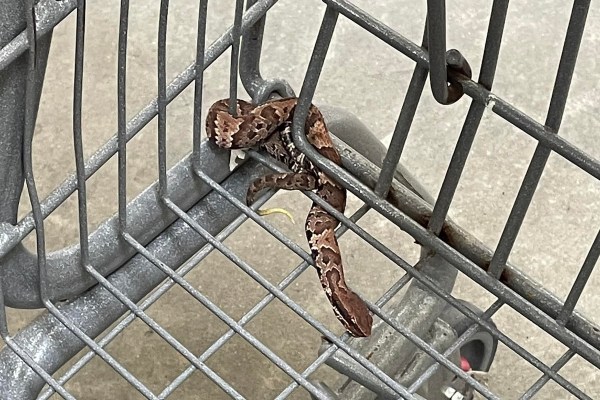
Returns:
<point x="268" y="127"/>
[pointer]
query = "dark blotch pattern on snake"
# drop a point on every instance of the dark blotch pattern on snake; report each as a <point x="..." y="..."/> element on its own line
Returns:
<point x="268" y="126"/>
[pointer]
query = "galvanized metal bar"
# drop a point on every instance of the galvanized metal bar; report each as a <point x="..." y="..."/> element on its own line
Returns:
<point x="443" y="91"/>
<point x="25" y="358"/>
<point x="473" y="119"/>
<point x="456" y="166"/>
<point x="436" y="24"/>
<point x="476" y="91"/>
<point x="558" y="101"/>
<point x="29" y="127"/>
<point x="493" y="42"/>
<point x="4" y="332"/>
<point x="13" y="81"/>
<point x="582" y="277"/>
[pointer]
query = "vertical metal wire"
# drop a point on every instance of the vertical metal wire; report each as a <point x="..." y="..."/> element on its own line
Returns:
<point x="162" y="97"/>
<point x="78" y="134"/>
<point x="199" y="78"/>
<point x="314" y="71"/>
<point x="403" y="124"/>
<point x="122" y="114"/>
<point x="444" y="91"/>
<point x="473" y="119"/>
<point x="580" y="282"/>
<point x="235" y="56"/>
<point x="30" y="108"/>
<point x="558" y="101"/>
<point x="436" y="25"/>
<point x="78" y="147"/>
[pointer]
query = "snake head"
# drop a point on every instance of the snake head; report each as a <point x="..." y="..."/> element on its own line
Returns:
<point x="354" y="315"/>
<point x="349" y="308"/>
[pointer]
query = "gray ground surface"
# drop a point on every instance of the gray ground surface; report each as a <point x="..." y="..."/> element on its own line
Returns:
<point x="368" y="78"/>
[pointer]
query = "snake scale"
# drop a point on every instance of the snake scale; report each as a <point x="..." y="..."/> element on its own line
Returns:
<point x="268" y="126"/>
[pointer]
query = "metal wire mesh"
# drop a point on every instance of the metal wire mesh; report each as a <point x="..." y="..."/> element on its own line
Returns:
<point x="135" y="258"/>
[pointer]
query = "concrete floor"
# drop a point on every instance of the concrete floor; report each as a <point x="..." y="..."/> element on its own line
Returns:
<point x="369" y="79"/>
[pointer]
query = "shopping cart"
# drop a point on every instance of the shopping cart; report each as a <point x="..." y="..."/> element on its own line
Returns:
<point x="141" y="305"/>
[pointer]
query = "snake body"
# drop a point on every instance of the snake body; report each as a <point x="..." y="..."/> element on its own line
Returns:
<point x="268" y="126"/>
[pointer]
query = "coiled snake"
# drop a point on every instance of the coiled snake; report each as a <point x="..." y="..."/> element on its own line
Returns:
<point x="268" y="126"/>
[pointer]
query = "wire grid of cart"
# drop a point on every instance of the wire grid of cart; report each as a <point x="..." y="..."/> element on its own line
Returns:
<point x="93" y="291"/>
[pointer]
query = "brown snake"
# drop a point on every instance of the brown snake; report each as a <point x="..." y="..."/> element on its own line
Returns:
<point x="268" y="126"/>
